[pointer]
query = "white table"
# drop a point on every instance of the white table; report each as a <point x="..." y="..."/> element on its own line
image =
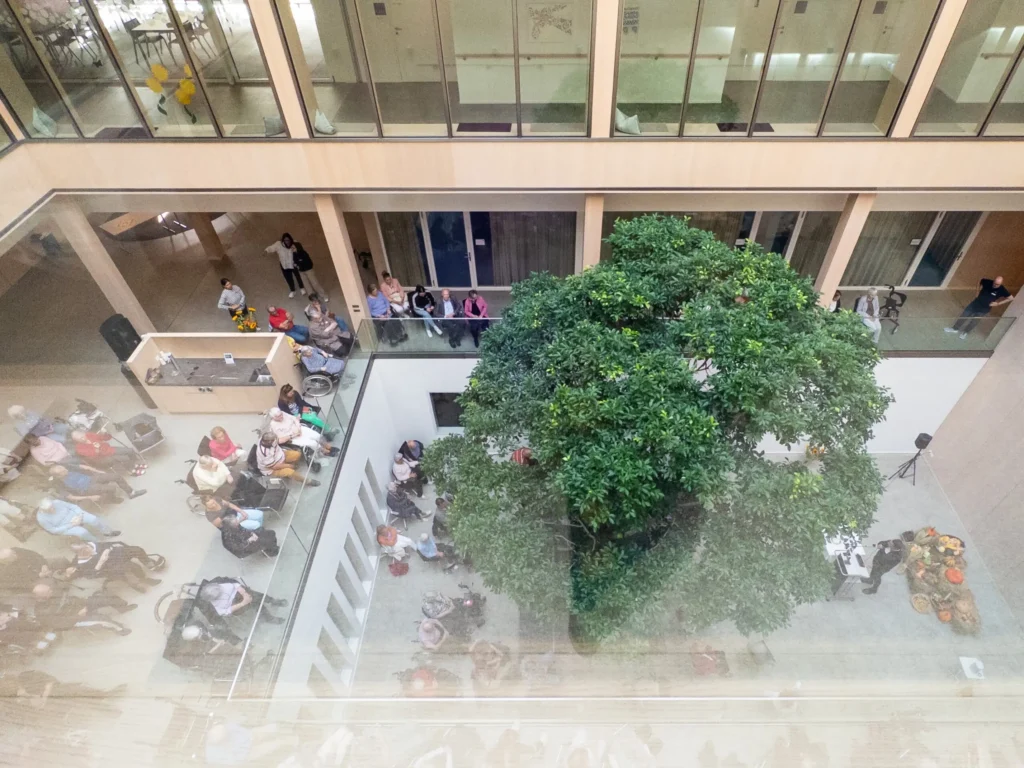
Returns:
<point x="850" y="567"/>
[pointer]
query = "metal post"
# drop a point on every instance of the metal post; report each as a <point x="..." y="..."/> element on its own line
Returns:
<point x="515" y="67"/>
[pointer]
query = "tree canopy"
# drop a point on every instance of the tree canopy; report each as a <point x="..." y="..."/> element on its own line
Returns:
<point x="643" y="387"/>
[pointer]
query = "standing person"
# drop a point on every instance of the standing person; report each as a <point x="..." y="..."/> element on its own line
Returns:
<point x="304" y="266"/>
<point x="867" y="307"/>
<point x="475" y="309"/>
<point x="285" y="250"/>
<point x="281" y="320"/>
<point x="992" y="293"/>
<point x="423" y="306"/>
<point x="449" y="313"/>
<point x="888" y="556"/>
<point x="232" y="297"/>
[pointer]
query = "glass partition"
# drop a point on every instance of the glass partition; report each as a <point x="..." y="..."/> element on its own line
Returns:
<point x="887" y="247"/>
<point x="1007" y="118"/>
<point x="403" y="240"/>
<point x="981" y="54"/>
<point x="808" y="253"/>
<point x="776" y="231"/>
<point x="880" y="57"/>
<point x="731" y="45"/>
<point x="654" y="58"/>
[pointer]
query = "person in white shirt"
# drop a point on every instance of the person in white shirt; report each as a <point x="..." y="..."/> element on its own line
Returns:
<point x="228" y="597"/>
<point x="867" y="307"/>
<point x="450" y="317"/>
<point x="285" y="250"/>
<point x="289" y="429"/>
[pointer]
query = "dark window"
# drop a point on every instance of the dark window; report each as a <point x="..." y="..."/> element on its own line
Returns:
<point x="447" y="411"/>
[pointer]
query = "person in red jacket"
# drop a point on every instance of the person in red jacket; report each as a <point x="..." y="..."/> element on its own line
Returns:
<point x="96" y="449"/>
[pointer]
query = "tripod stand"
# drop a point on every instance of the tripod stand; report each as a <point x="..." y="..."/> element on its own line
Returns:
<point x="908" y="466"/>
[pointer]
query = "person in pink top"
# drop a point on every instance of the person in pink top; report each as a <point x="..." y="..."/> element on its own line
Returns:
<point x="222" y="447"/>
<point x="46" y="450"/>
<point x="476" y="312"/>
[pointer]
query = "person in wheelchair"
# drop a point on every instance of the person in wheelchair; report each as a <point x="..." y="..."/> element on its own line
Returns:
<point x="330" y="334"/>
<point x="288" y="429"/>
<point x="317" y="361"/>
<point x="229" y="597"/>
<point x="290" y="401"/>
<point x="211" y="476"/>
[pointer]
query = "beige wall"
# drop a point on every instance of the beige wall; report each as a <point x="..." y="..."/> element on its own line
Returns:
<point x="998" y="249"/>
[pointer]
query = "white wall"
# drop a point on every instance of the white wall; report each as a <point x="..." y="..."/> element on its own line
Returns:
<point x="408" y="382"/>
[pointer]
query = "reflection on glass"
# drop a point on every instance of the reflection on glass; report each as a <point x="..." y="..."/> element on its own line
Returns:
<point x="983" y="49"/>
<point x="327" y="58"/>
<point x="26" y="86"/>
<point x="887" y="247"/>
<point x="1008" y="115"/>
<point x="403" y="244"/>
<point x="887" y="39"/>
<point x="480" y="223"/>
<point x="152" y="54"/>
<point x="554" y="66"/>
<point x="812" y="243"/>
<point x="448" y="246"/>
<point x="401" y="45"/>
<point x="731" y="46"/>
<point x="809" y="40"/>
<point x="654" y="53"/>
<point x="945" y="247"/>
<point x="776" y="230"/>
<point x="83" y="68"/>
<point x="224" y="48"/>
<point x="479" y="57"/>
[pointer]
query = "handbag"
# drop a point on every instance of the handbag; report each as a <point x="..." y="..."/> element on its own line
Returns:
<point x="302" y="260"/>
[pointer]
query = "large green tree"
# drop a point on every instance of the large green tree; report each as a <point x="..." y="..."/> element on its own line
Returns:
<point x="644" y="386"/>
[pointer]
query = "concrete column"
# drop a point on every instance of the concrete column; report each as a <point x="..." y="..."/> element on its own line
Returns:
<point x="280" y="66"/>
<point x="86" y="243"/>
<point x="208" y="237"/>
<point x="593" y="216"/>
<point x="602" y="93"/>
<point x="934" y="50"/>
<point x="299" y="67"/>
<point x="844" y="240"/>
<point x="332" y="221"/>
<point x="12" y="125"/>
<point x="380" y="261"/>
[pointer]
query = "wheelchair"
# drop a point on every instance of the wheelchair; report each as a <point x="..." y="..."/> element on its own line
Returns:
<point x="890" y="309"/>
<point x="316" y="385"/>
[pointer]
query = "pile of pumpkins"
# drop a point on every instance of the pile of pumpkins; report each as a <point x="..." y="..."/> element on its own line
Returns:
<point x="935" y="568"/>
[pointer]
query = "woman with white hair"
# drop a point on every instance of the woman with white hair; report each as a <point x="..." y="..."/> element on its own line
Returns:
<point x="212" y="476"/>
<point x="28" y="422"/>
<point x="289" y="429"/>
<point x="408" y="474"/>
<point x="867" y="307"/>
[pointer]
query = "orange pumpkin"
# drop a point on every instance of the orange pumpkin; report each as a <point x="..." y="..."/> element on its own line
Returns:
<point x="945" y="616"/>
<point x="954" y="576"/>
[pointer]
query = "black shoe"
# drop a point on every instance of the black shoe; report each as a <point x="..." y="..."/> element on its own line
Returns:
<point x="112" y="534"/>
<point x="864" y="580"/>
<point x="272" y="551"/>
<point x="315" y="466"/>
<point x="313" y="483"/>
<point x="869" y="591"/>
<point x="136" y="494"/>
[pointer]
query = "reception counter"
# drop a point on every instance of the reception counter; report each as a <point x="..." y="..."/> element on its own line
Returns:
<point x="200" y="380"/>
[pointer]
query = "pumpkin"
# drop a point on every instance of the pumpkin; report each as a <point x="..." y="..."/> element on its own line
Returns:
<point x="945" y="616"/>
<point x="931" y="532"/>
<point x="954" y="576"/>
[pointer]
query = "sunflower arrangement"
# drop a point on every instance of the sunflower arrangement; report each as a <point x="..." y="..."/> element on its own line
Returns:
<point x="160" y="81"/>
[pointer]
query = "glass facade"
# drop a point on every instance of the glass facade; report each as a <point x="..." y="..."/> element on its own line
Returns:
<point x="974" y="79"/>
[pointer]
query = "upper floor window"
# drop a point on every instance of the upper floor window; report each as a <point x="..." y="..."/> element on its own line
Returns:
<point x="775" y="68"/>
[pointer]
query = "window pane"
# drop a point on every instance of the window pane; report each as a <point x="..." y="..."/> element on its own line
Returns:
<point x="654" y="54"/>
<point x="1008" y="116"/>
<point x="812" y="243"/>
<point x="775" y="230"/>
<point x="80" y="62"/>
<point x="403" y="244"/>
<point x="401" y="45"/>
<point x="532" y="242"/>
<point x="476" y="39"/>
<point x="809" y="40"/>
<point x="554" y="66"/>
<point x="448" y="244"/>
<point x="152" y="54"/>
<point x="731" y="47"/>
<point x="26" y="87"/>
<point x="887" y="39"/>
<point x="225" y="50"/>
<point x="887" y="247"/>
<point x="327" y="58"/>
<point x="982" y="51"/>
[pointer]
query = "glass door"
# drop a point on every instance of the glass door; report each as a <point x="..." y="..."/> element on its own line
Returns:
<point x="449" y="249"/>
<point x="951" y="238"/>
<point x="775" y="231"/>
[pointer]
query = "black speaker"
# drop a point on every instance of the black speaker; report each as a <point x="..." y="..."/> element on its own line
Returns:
<point x="922" y="441"/>
<point x="120" y="336"/>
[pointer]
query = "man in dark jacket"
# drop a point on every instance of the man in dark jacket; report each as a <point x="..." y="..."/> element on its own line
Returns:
<point x="888" y="556"/>
<point x="451" y="318"/>
<point x="242" y="542"/>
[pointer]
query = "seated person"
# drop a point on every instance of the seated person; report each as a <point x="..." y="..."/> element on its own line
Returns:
<point x="91" y="484"/>
<point x="249" y="519"/>
<point x="281" y="320"/>
<point x="290" y="401"/>
<point x="46" y="450"/>
<point x="58" y="611"/>
<point x="288" y="429"/>
<point x="432" y="634"/>
<point x="242" y="542"/>
<point x="412" y="450"/>
<point x="223" y="448"/>
<point x="400" y="503"/>
<point x="229" y="597"/>
<point x="18" y="628"/>
<point x="275" y="461"/>
<point x="315" y="308"/>
<point x="330" y="335"/>
<point x="62" y="518"/>
<point x="20" y="569"/>
<point x="28" y="422"/>
<point x="392" y="543"/>
<point x="114" y="561"/>
<point x="407" y="474"/>
<point x="212" y="476"/>
<point x="317" y="361"/>
<point x="95" y="448"/>
<point x="440" y="525"/>
<point x="450" y="316"/>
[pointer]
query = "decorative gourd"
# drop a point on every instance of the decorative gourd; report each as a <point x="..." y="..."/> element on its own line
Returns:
<point x="945" y="616"/>
<point x="954" y="576"/>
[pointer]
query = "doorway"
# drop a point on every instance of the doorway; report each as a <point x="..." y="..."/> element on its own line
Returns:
<point x="952" y="234"/>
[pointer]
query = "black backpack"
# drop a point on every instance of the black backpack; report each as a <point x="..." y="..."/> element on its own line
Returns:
<point x="301" y="259"/>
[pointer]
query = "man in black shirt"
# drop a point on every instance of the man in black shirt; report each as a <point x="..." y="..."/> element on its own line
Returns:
<point x="888" y="556"/>
<point x="992" y="294"/>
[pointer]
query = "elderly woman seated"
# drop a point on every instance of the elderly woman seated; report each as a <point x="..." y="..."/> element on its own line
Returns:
<point x="317" y="361"/>
<point x="401" y="505"/>
<point x="330" y="334"/>
<point x="223" y="448"/>
<point x="242" y="542"/>
<point x="275" y="461"/>
<point x="289" y="429"/>
<point x="408" y="475"/>
<point x="218" y="509"/>
<point x="392" y="543"/>
<point x="211" y="475"/>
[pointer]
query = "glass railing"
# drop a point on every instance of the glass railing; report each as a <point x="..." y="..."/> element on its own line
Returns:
<point x="407" y="335"/>
<point x="941" y="334"/>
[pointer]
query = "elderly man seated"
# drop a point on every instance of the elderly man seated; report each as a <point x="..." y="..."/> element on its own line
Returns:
<point x="56" y="610"/>
<point x="330" y="334"/>
<point x="62" y="518"/>
<point x="274" y="461"/>
<point x="212" y="475"/>
<point x="408" y="475"/>
<point x="400" y="503"/>
<point x="281" y="320"/>
<point x="317" y="361"/>
<point x="95" y="448"/>
<point x="242" y="542"/>
<point x="28" y="422"/>
<point x="114" y="561"/>
<point x="289" y="429"/>
<point x="91" y="484"/>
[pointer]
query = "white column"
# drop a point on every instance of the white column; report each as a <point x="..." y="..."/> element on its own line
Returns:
<point x="332" y="221"/>
<point x="602" y="92"/>
<point x="593" y="218"/>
